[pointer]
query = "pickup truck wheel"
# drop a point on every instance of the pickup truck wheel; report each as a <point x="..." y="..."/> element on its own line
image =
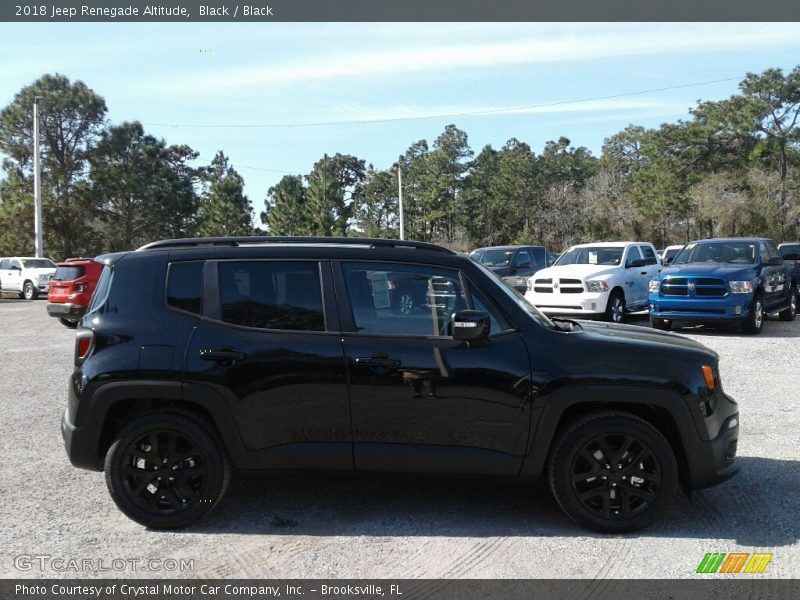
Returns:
<point x="28" y="291"/>
<point x="404" y="303"/>
<point x="662" y="324"/>
<point x="789" y="313"/>
<point x="755" y="320"/>
<point x="166" y="470"/>
<point x="612" y="472"/>
<point x="615" y="309"/>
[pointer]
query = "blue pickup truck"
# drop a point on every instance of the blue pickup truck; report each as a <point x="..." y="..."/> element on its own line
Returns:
<point x="735" y="280"/>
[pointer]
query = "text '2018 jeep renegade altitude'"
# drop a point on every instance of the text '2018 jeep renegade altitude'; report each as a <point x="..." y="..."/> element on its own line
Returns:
<point x="202" y="357"/>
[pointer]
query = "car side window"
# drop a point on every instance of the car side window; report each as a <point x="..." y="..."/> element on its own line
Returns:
<point x="523" y="260"/>
<point x="772" y="249"/>
<point x="649" y="255"/>
<point x="400" y="299"/>
<point x="16" y="264"/>
<point x="265" y="294"/>
<point x="763" y="253"/>
<point x="5" y="264"/>
<point x="185" y="286"/>
<point x="633" y="254"/>
<point x="479" y="302"/>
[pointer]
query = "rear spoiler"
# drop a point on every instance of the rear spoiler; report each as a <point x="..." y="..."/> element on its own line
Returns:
<point x="111" y="258"/>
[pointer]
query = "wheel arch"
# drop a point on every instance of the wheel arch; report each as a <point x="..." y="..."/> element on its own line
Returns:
<point x="665" y="410"/>
<point x="125" y="401"/>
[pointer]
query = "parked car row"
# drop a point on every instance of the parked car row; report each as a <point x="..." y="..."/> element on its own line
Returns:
<point x="735" y="280"/>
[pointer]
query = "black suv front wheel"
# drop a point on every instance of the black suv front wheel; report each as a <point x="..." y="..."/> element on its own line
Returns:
<point x="166" y="470"/>
<point x="612" y="472"/>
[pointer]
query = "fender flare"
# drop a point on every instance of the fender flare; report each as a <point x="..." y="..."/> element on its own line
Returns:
<point x="548" y="417"/>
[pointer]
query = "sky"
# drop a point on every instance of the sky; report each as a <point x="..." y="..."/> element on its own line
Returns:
<point x="275" y="97"/>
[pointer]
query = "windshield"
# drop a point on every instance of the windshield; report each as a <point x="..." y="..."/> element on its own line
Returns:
<point x="596" y="255"/>
<point x="38" y="263"/>
<point x="519" y="299"/>
<point x="493" y="258"/>
<point x="741" y="253"/>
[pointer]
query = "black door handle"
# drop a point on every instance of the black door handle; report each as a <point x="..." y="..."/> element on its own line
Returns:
<point x="222" y="355"/>
<point x="377" y="362"/>
<point x="642" y="272"/>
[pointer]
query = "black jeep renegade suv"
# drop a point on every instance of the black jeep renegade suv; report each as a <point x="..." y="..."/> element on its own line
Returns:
<point x="199" y="357"/>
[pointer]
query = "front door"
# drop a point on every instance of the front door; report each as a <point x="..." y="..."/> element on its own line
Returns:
<point x="420" y="400"/>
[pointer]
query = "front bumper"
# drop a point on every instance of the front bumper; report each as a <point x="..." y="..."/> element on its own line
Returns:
<point x="711" y="458"/>
<point x="585" y="304"/>
<point x="65" y="310"/>
<point x="734" y="307"/>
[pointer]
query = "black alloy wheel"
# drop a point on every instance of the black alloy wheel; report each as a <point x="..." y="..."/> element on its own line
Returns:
<point x="166" y="470"/>
<point x="612" y="472"/>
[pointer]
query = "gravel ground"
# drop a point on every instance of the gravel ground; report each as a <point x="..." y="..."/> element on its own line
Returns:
<point x="391" y="527"/>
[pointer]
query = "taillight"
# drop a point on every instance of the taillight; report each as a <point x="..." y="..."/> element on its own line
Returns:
<point x="81" y="286"/>
<point x="83" y="344"/>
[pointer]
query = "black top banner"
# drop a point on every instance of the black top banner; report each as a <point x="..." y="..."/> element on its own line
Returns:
<point x="399" y="10"/>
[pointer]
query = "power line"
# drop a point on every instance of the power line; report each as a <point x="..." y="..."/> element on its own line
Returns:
<point x="474" y="113"/>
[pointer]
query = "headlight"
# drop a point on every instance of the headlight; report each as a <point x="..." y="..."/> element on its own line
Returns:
<point x="741" y="287"/>
<point x="596" y="286"/>
<point x="654" y="286"/>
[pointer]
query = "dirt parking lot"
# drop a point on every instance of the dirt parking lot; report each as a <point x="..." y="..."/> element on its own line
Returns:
<point x="386" y="526"/>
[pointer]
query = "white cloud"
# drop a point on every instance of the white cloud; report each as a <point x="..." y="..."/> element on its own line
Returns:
<point x="541" y="46"/>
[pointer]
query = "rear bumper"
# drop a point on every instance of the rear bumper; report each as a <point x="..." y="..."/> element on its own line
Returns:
<point x="65" y="310"/>
<point x="733" y="307"/>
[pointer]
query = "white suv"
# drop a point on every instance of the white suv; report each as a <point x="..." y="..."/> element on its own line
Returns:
<point x="596" y="280"/>
<point x="26" y="276"/>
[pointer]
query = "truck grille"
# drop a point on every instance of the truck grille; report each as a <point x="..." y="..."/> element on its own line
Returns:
<point x="707" y="287"/>
<point x="563" y="286"/>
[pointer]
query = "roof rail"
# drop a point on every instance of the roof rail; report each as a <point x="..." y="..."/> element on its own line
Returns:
<point x="260" y="239"/>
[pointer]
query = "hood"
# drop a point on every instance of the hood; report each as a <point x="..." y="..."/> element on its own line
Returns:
<point x="612" y="332"/>
<point x="720" y="270"/>
<point x="576" y="271"/>
<point x="43" y="271"/>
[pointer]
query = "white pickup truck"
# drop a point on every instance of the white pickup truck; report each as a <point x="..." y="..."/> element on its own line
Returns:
<point x="26" y="276"/>
<point x="596" y="280"/>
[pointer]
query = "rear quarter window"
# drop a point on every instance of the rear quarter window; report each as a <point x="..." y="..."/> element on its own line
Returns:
<point x="185" y="286"/>
<point x="101" y="291"/>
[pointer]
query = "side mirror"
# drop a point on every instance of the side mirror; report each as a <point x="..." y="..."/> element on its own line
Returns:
<point x="667" y="261"/>
<point x="470" y="325"/>
<point x="635" y="264"/>
<point x="774" y="261"/>
<point x="525" y="265"/>
<point x="15" y="268"/>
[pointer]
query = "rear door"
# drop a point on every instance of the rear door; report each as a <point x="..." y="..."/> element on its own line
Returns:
<point x="13" y="277"/>
<point x="420" y="400"/>
<point x="652" y="267"/>
<point x="269" y="342"/>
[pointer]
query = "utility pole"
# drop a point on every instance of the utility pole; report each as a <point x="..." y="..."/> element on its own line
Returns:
<point x="400" y="197"/>
<point x="37" y="184"/>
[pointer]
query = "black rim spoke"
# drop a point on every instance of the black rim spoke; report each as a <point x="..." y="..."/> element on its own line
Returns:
<point x="625" y="490"/>
<point x="165" y="472"/>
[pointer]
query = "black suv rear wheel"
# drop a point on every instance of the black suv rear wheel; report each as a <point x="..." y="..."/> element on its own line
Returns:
<point x="612" y="472"/>
<point x="166" y="470"/>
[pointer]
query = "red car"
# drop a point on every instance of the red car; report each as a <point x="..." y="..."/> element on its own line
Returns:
<point x="71" y="289"/>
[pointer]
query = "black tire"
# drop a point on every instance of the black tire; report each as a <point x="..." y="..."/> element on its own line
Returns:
<point x="29" y="291"/>
<point x="70" y="324"/>
<point x="662" y="324"/>
<point x="789" y="313"/>
<point x="755" y="320"/>
<point x="185" y="470"/>
<point x="601" y="495"/>
<point x="615" y="308"/>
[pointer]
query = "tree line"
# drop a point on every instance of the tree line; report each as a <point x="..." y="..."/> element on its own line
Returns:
<point x="729" y="169"/>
